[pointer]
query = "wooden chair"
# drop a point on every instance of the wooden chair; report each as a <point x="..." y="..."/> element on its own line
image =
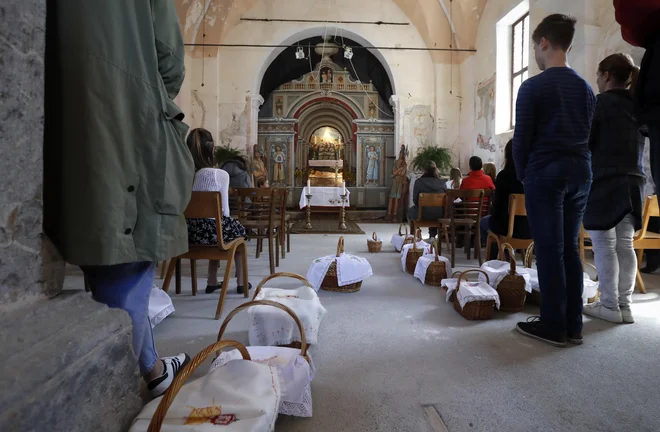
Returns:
<point x="516" y="208"/>
<point x="208" y="205"/>
<point x="256" y="212"/>
<point x="426" y="200"/>
<point x="643" y="238"/>
<point x="467" y="214"/>
<point x="285" y="225"/>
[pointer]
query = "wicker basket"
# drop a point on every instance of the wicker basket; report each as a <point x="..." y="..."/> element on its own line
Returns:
<point x="512" y="287"/>
<point x="476" y="310"/>
<point x="374" y="244"/>
<point x="330" y="281"/>
<point x="437" y="270"/>
<point x="445" y="289"/>
<point x="414" y="254"/>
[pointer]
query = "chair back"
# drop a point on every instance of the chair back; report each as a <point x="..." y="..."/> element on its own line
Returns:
<point x="430" y="200"/>
<point x="516" y="208"/>
<point x="471" y="204"/>
<point x="260" y="205"/>
<point x="650" y="210"/>
<point x="207" y="205"/>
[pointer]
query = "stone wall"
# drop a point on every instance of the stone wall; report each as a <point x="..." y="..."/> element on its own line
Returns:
<point x="67" y="360"/>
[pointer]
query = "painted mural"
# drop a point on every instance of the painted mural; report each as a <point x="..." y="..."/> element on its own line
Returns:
<point x="485" y="118"/>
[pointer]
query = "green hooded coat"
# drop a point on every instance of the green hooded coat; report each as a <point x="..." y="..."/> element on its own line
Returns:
<point x="118" y="174"/>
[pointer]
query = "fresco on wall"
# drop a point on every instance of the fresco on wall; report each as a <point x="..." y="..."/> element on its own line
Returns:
<point x="485" y="110"/>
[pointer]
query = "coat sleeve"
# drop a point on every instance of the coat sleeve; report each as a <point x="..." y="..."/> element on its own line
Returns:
<point x="169" y="46"/>
<point x="416" y="192"/>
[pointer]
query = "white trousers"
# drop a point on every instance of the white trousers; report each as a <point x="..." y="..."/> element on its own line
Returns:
<point x="616" y="263"/>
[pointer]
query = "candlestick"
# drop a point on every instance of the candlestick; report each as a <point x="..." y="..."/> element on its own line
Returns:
<point x="309" y="186"/>
<point x="343" y="188"/>
<point x="342" y="225"/>
<point x="309" y="211"/>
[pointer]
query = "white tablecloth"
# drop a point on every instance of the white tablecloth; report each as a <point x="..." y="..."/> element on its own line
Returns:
<point x="325" y="197"/>
<point x="326" y="163"/>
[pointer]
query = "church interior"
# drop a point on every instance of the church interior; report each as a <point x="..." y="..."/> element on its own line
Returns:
<point x="327" y="101"/>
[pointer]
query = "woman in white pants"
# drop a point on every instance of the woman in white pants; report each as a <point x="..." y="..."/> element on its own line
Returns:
<point x="614" y="209"/>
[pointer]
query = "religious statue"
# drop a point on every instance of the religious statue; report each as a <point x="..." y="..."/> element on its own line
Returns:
<point x="372" y="110"/>
<point x="373" y="156"/>
<point x="279" y="108"/>
<point x="279" y="158"/>
<point x="399" y="184"/>
<point x="326" y="75"/>
<point x="258" y="167"/>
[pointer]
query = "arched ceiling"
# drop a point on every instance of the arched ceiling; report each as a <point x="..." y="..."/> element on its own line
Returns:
<point x="430" y="17"/>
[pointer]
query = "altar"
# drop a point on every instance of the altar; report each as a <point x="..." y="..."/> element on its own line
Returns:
<point x="325" y="197"/>
<point x="328" y="173"/>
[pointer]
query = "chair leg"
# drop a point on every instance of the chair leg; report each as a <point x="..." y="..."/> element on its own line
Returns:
<point x="489" y="242"/>
<point x="277" y="248"/>
<point x="259" y="245"/>
<point x="193" y="276"/>
<point x="453" y="246"/>
<point x="468" y="248"/>
<point x="477" y="247"/>
<point x="288" y="238"/>
<point x="168" y="276"/>
<point x="271" y="258"/>
<point x="446" y="237"/>
<point x="640" y="281"/>
<point x="282" y="232"/>
<point x="178" y="276"/>
<point x="163" y="269"/>
<point x="225" y="285"/>
<point x="246" y="280"/>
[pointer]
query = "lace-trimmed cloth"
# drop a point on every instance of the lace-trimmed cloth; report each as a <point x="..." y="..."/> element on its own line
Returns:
<point x="497" y="270"/>
<point x="350" y="269"/>
<point x="424" y="263"/>
<point x="471" y="291"/>
<point x="406" y="248"/>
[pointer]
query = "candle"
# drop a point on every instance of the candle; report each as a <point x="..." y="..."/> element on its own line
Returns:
<point x="343" y="188"/>
<point x="309" y="192"/>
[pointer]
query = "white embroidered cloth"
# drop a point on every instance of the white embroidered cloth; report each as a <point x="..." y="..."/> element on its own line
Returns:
<point x="590" y="286"/>
<point x="497" y="270"/>
<point x="404" y="252"/>
<point x="325" y="197"/>
<point x="294" y="373"/>
<point x="397" y="241"/>
<point x="160" y="306"/>
<point x="350" y="269"/>
<point x="424" y="263"/>
<point x="245" y="389"/>
<point x="471" y="291"/>
<point x="271" y="326"/>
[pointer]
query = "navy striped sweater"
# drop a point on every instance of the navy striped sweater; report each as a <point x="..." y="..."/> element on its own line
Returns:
<point x="554" y="112"/>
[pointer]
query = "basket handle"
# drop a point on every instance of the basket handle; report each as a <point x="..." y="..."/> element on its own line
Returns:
<point x="529" y="255"/>
<point x="512" y="257"/>
<point x="232" y="314"/>
<point x="458" y="283"/>
<point x="276" y="275"/>
<point x="374" y="236"/>
<point x="416" y="238"/>
<point x="182" y="377"/>
<point x="435" y="250"/>
<point x="340" y="246"/>
<point x="457" y="272"/>
<point x="406" y="227"/>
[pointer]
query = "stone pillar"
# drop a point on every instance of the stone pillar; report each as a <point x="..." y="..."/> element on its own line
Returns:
<point x="253" y="127"/>
<point x="68" y="361"/>
<point x="396" y="104"/>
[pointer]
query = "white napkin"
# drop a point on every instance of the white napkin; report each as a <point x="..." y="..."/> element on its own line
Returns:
<point x="497" y="270"/>
<point x="476" y="291"/>
<point x="404" y="252"/>
<point x="318" y="269"/>
<point x="352" y="269"/>
<point x="397" y="241"/>
<point x="423" y="265"/>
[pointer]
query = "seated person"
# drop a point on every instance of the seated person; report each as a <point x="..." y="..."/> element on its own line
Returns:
<point x="429" y="182"/>
<point x="203" y="231"/>
<point x="507" y="183"/>
<point x="477" y="178"/>
<point x="455" y="179"/>
<point x="237" y="168"/>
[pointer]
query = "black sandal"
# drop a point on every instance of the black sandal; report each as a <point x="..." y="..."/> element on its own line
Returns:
<point x="210" y="289"/>
<point x="240" y="289"/>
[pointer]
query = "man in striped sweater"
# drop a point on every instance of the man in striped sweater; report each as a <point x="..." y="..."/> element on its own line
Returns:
<point x="554" y="112"/>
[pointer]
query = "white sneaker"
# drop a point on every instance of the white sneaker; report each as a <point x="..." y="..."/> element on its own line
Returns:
<point x="173" y="365"/>
<point x="597" y="310"/>
<point x="626" y="314"/>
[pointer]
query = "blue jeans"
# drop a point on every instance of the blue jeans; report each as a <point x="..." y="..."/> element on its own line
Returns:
<point x="127" y="287"/>
<point x="556" y="197"/>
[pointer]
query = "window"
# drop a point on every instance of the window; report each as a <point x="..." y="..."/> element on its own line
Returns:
<point x="519" y="60"/>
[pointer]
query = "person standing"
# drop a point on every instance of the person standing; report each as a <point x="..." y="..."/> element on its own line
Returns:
<point x="119" y="175"/>
<point x="614" y="209"/>
<point x="554" y="111"/>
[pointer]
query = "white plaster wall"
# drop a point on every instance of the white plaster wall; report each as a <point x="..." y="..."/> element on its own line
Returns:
<point x="232" y="75"/>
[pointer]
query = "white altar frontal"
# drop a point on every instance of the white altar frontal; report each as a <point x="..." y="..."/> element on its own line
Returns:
<point x="326" y="163"/>
<point x="325" y="197"/>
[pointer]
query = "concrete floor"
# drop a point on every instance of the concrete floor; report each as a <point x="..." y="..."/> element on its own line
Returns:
<point x="396" y="346"/>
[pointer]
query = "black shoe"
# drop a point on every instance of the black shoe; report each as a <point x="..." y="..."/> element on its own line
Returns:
<point x="534" y="328"/>
<point x="173" y="365"/>
<point x="651" y="267"/>
<point x="210" y="289"/>
<point x="240" y="289"/>
<point x="575" y="338"/>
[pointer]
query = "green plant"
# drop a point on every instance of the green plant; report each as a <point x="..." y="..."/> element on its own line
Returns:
<point x="440" y="155"/>
<point x="225" y="153"/>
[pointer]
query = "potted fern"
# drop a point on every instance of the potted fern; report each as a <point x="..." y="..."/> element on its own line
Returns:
<point x="440" y="155"/>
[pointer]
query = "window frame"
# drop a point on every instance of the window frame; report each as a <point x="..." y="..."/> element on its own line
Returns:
<point x="513" y="73"/>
